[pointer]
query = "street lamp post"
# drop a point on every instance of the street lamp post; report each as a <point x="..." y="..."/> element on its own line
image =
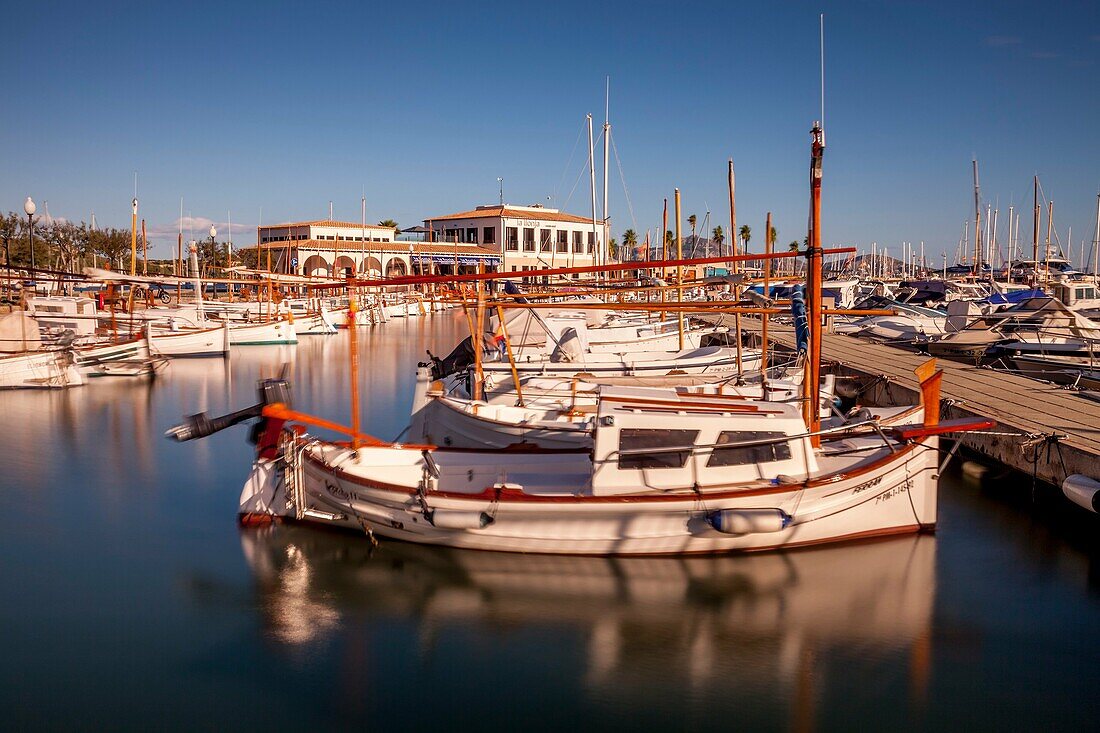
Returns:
<point x="30" y="208"/>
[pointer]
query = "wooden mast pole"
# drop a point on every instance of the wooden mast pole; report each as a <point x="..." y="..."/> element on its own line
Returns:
<point x="144" y="250"/>
<point x="353" y="355"/>
<point x="736" y="264"/>
<point x="679" y="273"/>
<point x="767" y="294"/>
<point x="811" y="377"/>
<point x="664" y="252"/>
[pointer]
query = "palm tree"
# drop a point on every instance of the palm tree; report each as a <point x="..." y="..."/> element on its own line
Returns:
<point x="630" y="242"/>
<point x="746" y="234"/>
<point x="388" y="223"/>
<point x="718" y="234"/>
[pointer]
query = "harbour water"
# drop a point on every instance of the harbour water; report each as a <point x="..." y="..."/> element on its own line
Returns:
<point x="130" y="599"/>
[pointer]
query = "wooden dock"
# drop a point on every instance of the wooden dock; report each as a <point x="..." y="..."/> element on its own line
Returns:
<point x="1042" y="429"/>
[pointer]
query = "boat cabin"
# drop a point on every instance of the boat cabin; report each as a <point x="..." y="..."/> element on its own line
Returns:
<point x="64" y="313"/>
<point x="706" y="442"/>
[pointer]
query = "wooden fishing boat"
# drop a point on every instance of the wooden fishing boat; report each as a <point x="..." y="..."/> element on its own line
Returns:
<point x="694" y="476"/>
<point x="699" y="478"/>
<point x="46" y="369"/>
<point x="189" y="342"/>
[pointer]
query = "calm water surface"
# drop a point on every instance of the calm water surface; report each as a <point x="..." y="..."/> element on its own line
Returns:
<point x="130" y="599"/>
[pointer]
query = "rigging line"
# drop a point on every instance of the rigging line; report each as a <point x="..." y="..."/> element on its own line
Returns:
<point x="580" y="132"/>
<point x="573" y="190"/>
<point x="587" y="160"/>
<point x="626" y="193"/>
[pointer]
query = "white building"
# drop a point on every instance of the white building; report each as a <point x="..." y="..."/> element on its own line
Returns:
<point x="339" y="248"/>
<point x="526" y="237"/>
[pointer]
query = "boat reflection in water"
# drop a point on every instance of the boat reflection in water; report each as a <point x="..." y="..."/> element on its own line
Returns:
<point x="748" y="628"/>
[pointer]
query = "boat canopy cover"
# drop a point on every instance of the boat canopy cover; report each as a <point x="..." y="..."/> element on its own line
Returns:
<point x="1015" y="296"/>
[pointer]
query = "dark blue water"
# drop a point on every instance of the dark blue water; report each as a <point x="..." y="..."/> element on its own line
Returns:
<point x="130" y="599"/>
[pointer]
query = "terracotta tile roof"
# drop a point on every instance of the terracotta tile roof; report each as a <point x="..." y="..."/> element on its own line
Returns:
<point x="324" y="223"/>
<point x="464" y="250"/>
<point x="494" y="212"/>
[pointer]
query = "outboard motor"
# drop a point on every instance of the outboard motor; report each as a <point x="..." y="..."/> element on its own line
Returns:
<point x="264" y="434"/>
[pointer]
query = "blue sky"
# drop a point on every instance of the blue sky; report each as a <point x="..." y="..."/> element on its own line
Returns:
<point x="246" y="107"/>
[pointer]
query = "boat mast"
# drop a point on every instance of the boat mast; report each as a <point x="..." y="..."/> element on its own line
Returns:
<point x="179" y="258"/>
<point x="1035" y="226"/>
<point x="592" y="186"/>
<point x="736" y="266"/>
<point x="1096" y="245"/>
<point x="1050" y="226"/>
<point x="679" y="273"/>
<point x="605" y="252"/>
<point x="977" y="222"/>
<point x="811" y="374"/>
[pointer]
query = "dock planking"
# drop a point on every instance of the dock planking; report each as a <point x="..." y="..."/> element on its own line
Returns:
<point x="1042" y="429"/>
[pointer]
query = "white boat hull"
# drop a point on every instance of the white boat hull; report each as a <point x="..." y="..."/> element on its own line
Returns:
<point x="38" y="370"/>
<point x="190" y="343"/>
<point x="894" y="495"/>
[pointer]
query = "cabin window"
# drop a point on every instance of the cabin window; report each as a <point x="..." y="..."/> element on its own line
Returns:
<point x="741" y="455"/>
<point x="658" y="441"/>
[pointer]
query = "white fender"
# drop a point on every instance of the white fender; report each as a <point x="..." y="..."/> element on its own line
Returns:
<point x="1082" y="491"/>
<point x="749" y="521"/>
<point x="459" y="519"/>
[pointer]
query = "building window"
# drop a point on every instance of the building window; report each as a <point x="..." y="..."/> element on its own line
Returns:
<point x="591" y="242"/>
<point x="563" y="241"/>
<point x="544" y="240"/>
<point x="471" y="235"/>
<point x="511" y="239"/>
<point x="578" y="242"/>
<point x="528" y="239"/>
<point x="488" y="235"/>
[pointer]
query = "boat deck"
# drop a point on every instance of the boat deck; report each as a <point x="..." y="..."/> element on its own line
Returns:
<point x="1042" y="429"/>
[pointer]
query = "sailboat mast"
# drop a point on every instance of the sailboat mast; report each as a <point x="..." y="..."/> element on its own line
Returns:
<point x="1096" y="245"/>
<point x="1035" y="225"/>
<point x="592" y="186"/>
<point x="606" y="159"/>
<point x="811" y="376"/>
<point x="977" y="221"/>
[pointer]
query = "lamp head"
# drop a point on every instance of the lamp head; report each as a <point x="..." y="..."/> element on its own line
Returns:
<point x="29" y="207"/>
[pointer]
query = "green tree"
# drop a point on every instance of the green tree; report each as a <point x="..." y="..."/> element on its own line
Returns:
<point x="718" y="235"/>
<point x="630" y="242"/>
<point x="613" y="249"/>
<point x="746" y="234"/>
<point x="388" y="223"/>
